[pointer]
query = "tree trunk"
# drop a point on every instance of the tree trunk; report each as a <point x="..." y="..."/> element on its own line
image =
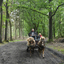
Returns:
<point x="15" y="29"/>
<point x="50" y="26"/>
<point x="6" y="23"/>
<point x="50" y="23"/>
<point x="19" y="29"/>
<point x="44" y="27"/>
<point x="10" y="30"/>
<point x="1" y="2"/>
<point x="54" y="29"/>
<point x="1" y="24"/>
<point x="53" y="26"/>
<point x="59" y="29"/>
<point x="23" y="30"/>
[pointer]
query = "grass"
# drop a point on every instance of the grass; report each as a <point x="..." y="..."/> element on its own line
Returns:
<point x="57" y="48"/>
<point x="9" y="41"/>
<point x="3" y="43"/>
<point x="61" y="50"/>
<point x="15" y="40"/>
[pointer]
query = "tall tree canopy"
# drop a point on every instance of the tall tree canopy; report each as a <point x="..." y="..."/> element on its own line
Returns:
<point x="42" y="15"/>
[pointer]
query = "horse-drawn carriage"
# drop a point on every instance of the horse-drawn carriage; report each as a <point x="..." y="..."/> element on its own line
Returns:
<point x="35" y="42"/>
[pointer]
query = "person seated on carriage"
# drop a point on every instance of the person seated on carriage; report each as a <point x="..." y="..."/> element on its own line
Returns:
<point x="32" y="33"/>
<point x="40" y="35"/>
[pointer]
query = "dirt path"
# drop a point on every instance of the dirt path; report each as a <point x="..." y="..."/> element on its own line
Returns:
<point x="15" y="53"/>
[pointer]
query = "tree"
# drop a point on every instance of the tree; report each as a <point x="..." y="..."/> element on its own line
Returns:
<point x="50" y="16"/>
<point x="1" y="21"/>
<point x="10" y="30"/>
<point x="1" y="27"/>
<point x="6" y="23"/>
<point x="1" y="2"/>
<point x="32" y="12"/>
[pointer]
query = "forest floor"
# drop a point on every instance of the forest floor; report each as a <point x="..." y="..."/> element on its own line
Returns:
<point x="14" y="40"/>
<point x="56" y="45"/>
<point x="15" y="53"/>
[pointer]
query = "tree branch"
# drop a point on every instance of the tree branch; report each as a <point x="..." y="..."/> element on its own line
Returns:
<point x="33" y="10"/>
<point x="57" y="9"/>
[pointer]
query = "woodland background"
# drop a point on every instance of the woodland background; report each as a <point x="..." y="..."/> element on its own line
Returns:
<point x="18" y="17"/>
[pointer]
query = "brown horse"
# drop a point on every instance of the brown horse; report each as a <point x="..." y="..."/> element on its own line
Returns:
<point x="41" y="46"/>
<point x="31" y="44"/>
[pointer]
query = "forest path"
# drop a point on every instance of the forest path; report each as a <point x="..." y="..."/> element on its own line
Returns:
<point x="15" y="53"/>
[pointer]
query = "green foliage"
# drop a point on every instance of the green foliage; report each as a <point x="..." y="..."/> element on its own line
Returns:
<point x="35" y="14"/>
<point x="33" y="18"/>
